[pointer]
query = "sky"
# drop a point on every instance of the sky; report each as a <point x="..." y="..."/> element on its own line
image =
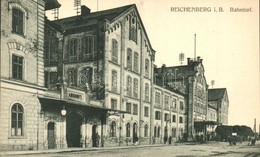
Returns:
<point x="228" y="43"/>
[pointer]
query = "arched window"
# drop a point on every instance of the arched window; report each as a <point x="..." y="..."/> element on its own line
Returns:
<point x="114" y="51"/>
<point x="114" y="81"/>
<point x="128" y="130"/>
<point x="72" y="49"/>
<point x="129" y="59"/>
<point x="135" y="88"/>
<point x="146" y="98"/>
<point x="146" y="67"/>
<point x="17" y="120"/>
<point x="136" y="62"/>
<point x="87" y="45"/>
<point x="146" y="130"/>
<point x="129" y="86"/>
<point x="113" y="129"/>
<point x="17" y="21"/>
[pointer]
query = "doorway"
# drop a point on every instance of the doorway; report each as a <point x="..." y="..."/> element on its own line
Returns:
<point x="51" y="135"/>
<point x="135" y="138"/>
<point x="94" y="136"/>
<point x="73" y="135"/>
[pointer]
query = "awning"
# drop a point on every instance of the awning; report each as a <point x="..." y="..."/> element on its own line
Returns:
<point x="70" y="103"/>
<point x="205" y="123"/>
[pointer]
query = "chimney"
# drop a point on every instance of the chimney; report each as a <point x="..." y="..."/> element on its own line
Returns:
<point x="163" y="68"/>
<point x="201" y="60"/>
<point x="85" y="10"/>
<point x="188" y="61"/>
<point x="198" y="58"/>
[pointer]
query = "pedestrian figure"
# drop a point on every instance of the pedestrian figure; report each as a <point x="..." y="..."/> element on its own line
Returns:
<point x="136" y="141"/>
<point x="165" y="139"/>
<point x="170" y="140"/>
<point x="153" y="140"/>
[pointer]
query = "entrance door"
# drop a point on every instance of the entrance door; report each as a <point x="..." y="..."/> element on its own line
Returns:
<point x="94" y="136"/>
<point x="74" y="122"/>
<point x="135" y="133"/>
<point x="51" y="135"/>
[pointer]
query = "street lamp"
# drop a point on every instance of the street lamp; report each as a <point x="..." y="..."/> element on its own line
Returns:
<point x="63" y="111"/>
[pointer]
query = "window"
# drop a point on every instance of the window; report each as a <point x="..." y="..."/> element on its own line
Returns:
<point x="114" y="81"/>
<point x="146" y="111"/>
<point x="166" y="101"/>
<point x="146" y="130"/>
<point x="86" y="77"/>
<point x="181" y="105"/>
<point x="72" y="48"/>
<point x="17" y="67"/>
<point x="128" y="108"/>
<point x="129" y="59"/>
<point x="87" y="46"/>
<point x="128" y="130"/>
<point x="136" y="62"/>
<point x="146" y="67"/>
<point x="157" y="115"/>
<point x="72" y="77"/>
<point x="18" y="21"/>
<point x="113" y="104"/>
<point x="51" y="44"/>
<point x="114" y="51"/>
<point x="135" y="88"/>
<point x="157" y="98"/>
<point x="17" y="120"/>
<point x="174" y="118"/>
<point x="133" y="34"/>
<point x="129" y="86"/>
<point x="146" y="98"/>
<point x="135" y="109"/>
<point x="180" y="119"/>
<point x="174" y="103"/>
<point x="113" y="129"/>
<point x="166" y="117"/>
<point x="51" y="80"/>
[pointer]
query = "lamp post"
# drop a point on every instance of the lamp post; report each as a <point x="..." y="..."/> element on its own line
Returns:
<point x="63" y="113"/>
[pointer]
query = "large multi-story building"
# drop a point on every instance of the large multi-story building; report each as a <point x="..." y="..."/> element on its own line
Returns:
<point x="190" y="80"/>
<point x="89" y="80"/>
<point x="22" y="73"/>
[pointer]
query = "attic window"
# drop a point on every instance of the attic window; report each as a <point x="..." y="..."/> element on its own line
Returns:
<point x="133" y="21"/>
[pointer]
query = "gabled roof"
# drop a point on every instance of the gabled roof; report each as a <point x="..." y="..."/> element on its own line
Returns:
<point x="216" y="94"/>
<point x="91" y="19"/>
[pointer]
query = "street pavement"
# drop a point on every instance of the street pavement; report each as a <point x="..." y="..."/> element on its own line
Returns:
<point x="177" y="149"/>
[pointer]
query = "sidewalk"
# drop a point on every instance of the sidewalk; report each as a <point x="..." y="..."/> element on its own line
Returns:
<point x="24" y="152"/>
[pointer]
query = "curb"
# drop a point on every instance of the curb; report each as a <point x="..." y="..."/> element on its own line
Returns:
<point x="47" y="151"/>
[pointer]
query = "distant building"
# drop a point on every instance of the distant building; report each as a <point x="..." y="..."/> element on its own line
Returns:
<point x="218" y="98"/>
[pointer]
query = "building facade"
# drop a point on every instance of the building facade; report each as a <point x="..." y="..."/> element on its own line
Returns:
<point x="190" y="80"/>
<point x="90" y="80"/>
<point x="22" y="74"/>
<point x="218" y="98"/>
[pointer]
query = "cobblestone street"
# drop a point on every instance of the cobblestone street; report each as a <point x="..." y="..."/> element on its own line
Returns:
<point x="187" y="149"/>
